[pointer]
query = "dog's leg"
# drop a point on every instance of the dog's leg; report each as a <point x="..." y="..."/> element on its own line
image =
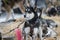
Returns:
<point x="27" y="31"/>
<point x="26" y="37"/>
<point x="40" y="33"/>
<point x="35" y="33"/>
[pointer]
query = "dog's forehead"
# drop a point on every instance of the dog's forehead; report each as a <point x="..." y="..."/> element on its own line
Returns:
<point x="27" y="9"/>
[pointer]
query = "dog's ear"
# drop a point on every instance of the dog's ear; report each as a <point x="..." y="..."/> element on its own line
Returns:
<point x="32" y="10"/>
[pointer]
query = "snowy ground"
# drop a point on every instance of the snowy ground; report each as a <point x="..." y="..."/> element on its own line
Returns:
<point x="3" y="17"/>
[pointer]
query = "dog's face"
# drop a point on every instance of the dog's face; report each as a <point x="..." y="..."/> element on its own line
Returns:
<point x="29" y="13"/>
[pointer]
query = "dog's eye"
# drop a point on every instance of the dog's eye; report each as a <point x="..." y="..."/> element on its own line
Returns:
<point x="27" y="9"/>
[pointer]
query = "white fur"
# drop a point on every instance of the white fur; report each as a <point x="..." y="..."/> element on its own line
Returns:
<point x="27" y="30"/>
<point x="38" y="14"/>
<point x="29" y="16"/>
<point x="40" y="33"/>
<point x="30" y="38"/>
<point x="35" y="31"/>
<point x="51" y="26"/>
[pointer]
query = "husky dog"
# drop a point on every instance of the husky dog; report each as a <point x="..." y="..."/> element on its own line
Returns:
<point x="32" y="24"/>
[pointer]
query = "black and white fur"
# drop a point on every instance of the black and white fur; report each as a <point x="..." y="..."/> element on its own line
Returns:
<point x="32" y="24"/>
